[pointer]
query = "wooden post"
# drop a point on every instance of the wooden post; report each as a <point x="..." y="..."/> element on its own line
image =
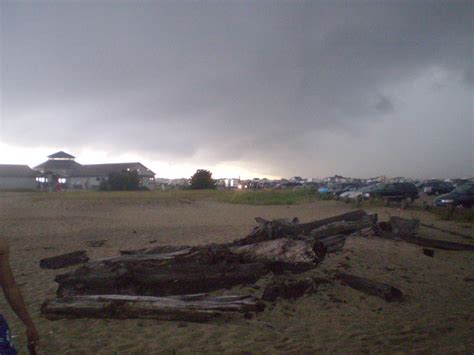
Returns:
<point x="404" y="204"/>
<point x="451" y="209"/>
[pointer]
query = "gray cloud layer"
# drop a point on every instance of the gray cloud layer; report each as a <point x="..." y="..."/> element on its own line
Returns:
<point x="285" y="88"/>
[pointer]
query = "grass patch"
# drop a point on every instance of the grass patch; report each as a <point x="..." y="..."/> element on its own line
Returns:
<point x="271" y="197"/>
<point x="131" y="196"/>
<point x="461" y="215"/>
<point x="261" y="197"/>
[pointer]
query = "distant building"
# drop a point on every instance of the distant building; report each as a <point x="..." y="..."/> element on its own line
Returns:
<point x="17" y="177"/>
<point x="297" y="179"/>
<point x="182" y="182"/>
<point x="376" y="180"/>
<point x="62" y="171"/>
<point x="338" y="179"/>
<point x="232" y="183"/>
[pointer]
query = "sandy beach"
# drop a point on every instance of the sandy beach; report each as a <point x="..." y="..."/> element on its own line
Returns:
<point x="436" y="316"/>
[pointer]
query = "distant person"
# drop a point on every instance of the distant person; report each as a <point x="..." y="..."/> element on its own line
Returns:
<point x="15" y="299"/>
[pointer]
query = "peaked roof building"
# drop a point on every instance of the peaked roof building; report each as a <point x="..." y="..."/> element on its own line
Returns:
<point x="62" y="166"/>
<point x="59" y="163"/>
<point x="61" y="156"/>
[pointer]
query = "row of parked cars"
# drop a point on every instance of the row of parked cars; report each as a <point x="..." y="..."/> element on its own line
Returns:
<point x="449" y="195"/>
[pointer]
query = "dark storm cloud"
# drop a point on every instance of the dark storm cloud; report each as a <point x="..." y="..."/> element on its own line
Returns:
<point x="263" y="84"/>
<point x="384" y="105"/>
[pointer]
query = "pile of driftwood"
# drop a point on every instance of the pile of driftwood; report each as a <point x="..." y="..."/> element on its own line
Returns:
<point x="171" y="282"/>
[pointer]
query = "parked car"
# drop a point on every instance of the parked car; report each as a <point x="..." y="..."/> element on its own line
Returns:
<point x="339" y="189"/>
<point x="437" y="187"/>
<point x="462" y="196"/>
<point x="395" y="190"/>
<point x="353" y="194"/>
<point x="323" y="190"/>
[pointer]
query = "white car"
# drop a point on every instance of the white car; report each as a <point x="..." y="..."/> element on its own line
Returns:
<point x="351" y="194"/>
<point x="354" y="194"/>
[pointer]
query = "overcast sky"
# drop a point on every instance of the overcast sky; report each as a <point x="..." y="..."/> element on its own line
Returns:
<point x="250" y="88"/>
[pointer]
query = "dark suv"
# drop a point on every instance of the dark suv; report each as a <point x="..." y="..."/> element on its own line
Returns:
<point x="463" y="196"/>
<point x="395" y="190"/>
<point x="437" y="187"/>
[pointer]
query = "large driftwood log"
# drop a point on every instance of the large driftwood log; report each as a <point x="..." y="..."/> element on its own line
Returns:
<point x="330" y="244"/>
<point x="268" y="230"/>
<point x="462" y="235"/>
<point x="306" y="228"/>
<point x="381" y="290"/>
<point x="196" y="308"/>
<point x="344" y="227"/>
<point x="60" y="261"/>
<point x="279" y="250"/>
<point x="189" y="270"/>
<point x="439" y="244"/>
<point x="199" y="270"/>
<point x="407" y="233"/>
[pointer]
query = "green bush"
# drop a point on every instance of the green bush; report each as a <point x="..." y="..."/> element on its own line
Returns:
<point x="125" y="180"/>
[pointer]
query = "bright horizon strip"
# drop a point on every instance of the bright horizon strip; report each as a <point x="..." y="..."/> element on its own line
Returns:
<point x="10" y="154"/>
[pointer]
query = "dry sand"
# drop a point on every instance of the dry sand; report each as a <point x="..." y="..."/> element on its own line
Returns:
<point x="438" y="314"/>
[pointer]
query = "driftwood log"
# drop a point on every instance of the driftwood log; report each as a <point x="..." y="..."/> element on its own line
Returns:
<point x="195" y="271"/>
<point x="306" y="228"/>
<point x="462" y="235"/>
<point x="148" y="282"/>
<point x="344" y="227"/>
<point x="331" y="244"/>
<point x="268" y="230"/>
<point x="280" y="250"/>
<point x="381" y="290"/>
<point x="189" y="270"/>
<point x="403" y="229"/>
<point x="197" y="308"/>
<point x="60" y="261"/>
<point x="439" y="244"/>
<point x="161" y="249"/>
<point x="274" y="246"/>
